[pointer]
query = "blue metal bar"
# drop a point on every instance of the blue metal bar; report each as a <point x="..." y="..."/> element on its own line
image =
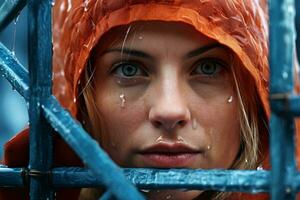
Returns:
<point x="40" y="71"/>
<point x="286" y="105"/>
<point x="89" y="151"/>
<point x="14" y="72"/>
<point x="9" y="10"/>
<point x="11" y="177"/>
<point x="221" y="180"/>
<point x="107" y="196"/>
<point x="282" y="40"/>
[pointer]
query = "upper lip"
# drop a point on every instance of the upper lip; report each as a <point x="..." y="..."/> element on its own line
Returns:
<point x="175" y="148"/>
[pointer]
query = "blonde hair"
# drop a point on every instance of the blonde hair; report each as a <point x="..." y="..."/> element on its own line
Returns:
<point x="252" y="124"/>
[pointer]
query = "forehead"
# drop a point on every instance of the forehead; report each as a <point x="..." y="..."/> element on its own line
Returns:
<point x="155" y="36"/>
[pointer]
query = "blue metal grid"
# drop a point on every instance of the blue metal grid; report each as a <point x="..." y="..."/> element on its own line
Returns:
<point x="282" y="182"/>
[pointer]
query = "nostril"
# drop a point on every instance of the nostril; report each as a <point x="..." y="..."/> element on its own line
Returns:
<point x="157" y="124"/>
<point x="181" y="123"/>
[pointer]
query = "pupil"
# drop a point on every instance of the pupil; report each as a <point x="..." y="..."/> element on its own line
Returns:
<point x="208" y="68"/>
<point x="129" y="70"/>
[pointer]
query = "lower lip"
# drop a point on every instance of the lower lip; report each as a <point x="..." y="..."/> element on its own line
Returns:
<point x="181" y="160"/>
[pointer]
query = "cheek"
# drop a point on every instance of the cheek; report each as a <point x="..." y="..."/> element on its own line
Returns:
<point x="223" y="123"/>
<point x="120" y="120"/>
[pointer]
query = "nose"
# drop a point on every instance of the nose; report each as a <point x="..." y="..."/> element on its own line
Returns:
<point x="169" y="110"/>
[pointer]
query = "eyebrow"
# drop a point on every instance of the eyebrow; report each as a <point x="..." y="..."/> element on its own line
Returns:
<point x="142" y="54"/>
<point x="131" y="52"/>
<point x="203" y="49"/>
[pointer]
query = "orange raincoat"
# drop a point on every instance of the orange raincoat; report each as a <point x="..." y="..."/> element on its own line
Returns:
<point x="78" y="26"/>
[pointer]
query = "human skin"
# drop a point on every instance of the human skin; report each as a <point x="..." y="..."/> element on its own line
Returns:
<point x="165" y="105"/>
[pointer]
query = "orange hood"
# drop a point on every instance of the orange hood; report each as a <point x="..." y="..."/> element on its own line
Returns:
<point x="78" y="26"/>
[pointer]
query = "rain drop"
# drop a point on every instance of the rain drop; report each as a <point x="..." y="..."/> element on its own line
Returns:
<point x="180" y="139"/>
<point x="208" y="147"/>
<point x="159" y="139"/>
<point x="123" y="101"/>
<point x="194" y="124"/>
<point x="53" y="3"/>
<point x="140" y="37"/>
<point x="85" y="5"/>
<point x="285" y="75"/>
<point x="230" y="99"/>
<point x="168" y="196"/>
<point x="246" y="160"/>
<point x="74" y="100"/>
<point x="288" y="190"/>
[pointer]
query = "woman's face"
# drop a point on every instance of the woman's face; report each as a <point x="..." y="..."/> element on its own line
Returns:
<point x="167" y="99"/>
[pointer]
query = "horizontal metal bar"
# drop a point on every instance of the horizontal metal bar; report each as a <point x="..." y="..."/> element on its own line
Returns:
<point x="11" y="177"/>
<point x="9" y="10"/>
<point x="14" y="72"/>
<point x="284" y="104"/>
<point x="221" y="180"/>
<point x="89" y="151"/>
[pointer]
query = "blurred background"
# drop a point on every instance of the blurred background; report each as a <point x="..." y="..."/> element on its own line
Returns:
<point x="13" y="110"/>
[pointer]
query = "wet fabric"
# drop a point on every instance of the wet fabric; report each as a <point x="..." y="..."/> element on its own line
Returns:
<point x="78" y="26"/>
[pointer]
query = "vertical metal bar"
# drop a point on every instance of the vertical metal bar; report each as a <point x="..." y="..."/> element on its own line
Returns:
<point x="40" y="63"/>
<point x="282" y="39"/>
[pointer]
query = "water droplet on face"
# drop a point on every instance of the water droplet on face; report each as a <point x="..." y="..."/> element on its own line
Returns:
<point x="180" y="139"/>
<point x="208" y="147"/>
<point x="230" y="99"/>
<point x="168" y="196"/>
<point x="123" y="100"/>
<point x="159" y="139"/>
<point x="194" y="124"/>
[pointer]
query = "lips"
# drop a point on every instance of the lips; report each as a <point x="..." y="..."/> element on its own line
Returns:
<point x="169" y="155"/>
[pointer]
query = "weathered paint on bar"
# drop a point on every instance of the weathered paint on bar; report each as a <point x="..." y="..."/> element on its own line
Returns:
<point x="221" y="180"/>
<point x="40" y="73"/>
<point x="282" y="41"/>
<point x="14" y="72"/>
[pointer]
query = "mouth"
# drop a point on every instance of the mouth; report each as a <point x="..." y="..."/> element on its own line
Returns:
<point x="171" y="155"/>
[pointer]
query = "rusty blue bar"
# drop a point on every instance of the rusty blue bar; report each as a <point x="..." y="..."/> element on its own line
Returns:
<point x="282" y="46"/>
<point x="89" y="151"/>
<point x="40" y="73"/>
<point x="9" y="10"/>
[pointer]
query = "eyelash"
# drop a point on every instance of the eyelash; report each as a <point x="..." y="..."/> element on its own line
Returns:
<point x="143" y="73"/>
<point x="118" y="65"/>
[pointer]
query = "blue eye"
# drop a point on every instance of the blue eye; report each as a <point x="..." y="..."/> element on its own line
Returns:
<point x="128" y="70"/>
<point x="208" y="67"/>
